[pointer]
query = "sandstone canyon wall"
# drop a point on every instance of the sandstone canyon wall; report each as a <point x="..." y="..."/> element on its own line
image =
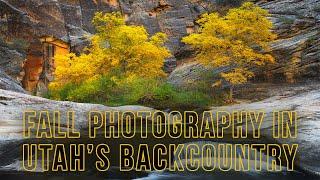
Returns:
<point x="296" y="22"/>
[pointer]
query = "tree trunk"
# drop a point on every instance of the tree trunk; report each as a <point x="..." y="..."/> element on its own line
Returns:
<point x="231" y="93"/>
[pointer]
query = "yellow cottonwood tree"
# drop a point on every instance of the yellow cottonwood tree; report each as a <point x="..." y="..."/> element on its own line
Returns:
<point x="240" y="40"/>
<point x="117" y="49"/>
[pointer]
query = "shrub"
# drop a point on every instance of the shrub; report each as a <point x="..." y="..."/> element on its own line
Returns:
<point x="92" y="91"/>
<point x="148" y="92"/>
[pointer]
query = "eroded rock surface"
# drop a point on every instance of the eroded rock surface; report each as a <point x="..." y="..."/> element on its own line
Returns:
<point x="12" y="106"/>
<point x="296" y="22"/>
<point x="306" y="104"/>
<point x="70" y="20"/>
<point x="8" y="83"/>
<point x="297" y="52"/>
<point x="11" y="62"/>
<point x="304" y="100"/>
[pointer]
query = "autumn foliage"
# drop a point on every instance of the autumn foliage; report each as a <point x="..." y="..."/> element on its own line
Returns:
<point x="124" y="64"/>
<point x="239" y="40"/>
<point x="117" y="50"/>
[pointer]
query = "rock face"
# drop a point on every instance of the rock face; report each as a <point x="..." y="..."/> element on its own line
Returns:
<point x="187" y="74"/>
<point x="296" y="22"/>
<point x="70" y="20"/>
<point x="11" y="62"/>
<point x="12" y="106"/>
<point x="305" y="101"/>
<point x="7" y="83"/>
<point x="306" y="104"/>
<point x="296" y="51"/>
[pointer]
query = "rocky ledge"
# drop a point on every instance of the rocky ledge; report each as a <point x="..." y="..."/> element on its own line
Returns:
<point x="12" y="106"/>
<point x="306" y="104"/>
<point x="304" y="100"/>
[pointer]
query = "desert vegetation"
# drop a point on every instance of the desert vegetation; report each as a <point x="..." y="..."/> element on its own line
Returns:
<point x="124" y="64"/>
